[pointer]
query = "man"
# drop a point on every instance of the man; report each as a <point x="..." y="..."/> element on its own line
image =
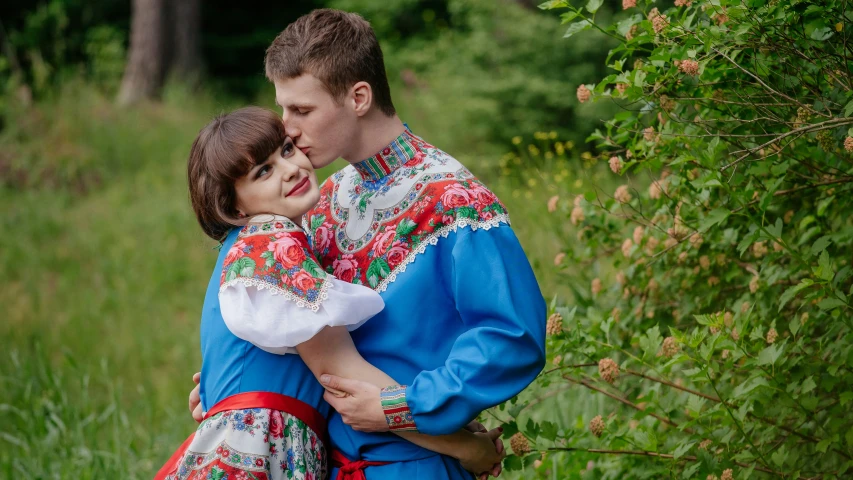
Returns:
<point x="463" y="324"/>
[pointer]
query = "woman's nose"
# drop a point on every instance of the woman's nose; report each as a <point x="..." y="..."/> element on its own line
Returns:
<point x="288" y="170"/>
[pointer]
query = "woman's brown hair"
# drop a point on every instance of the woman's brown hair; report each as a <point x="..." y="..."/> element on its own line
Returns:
<point x="224" y="151"/>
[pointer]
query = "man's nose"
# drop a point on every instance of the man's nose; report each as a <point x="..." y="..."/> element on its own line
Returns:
<point x="292" y="130"/>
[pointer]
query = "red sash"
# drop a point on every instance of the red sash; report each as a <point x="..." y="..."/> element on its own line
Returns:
<point x="348" y="470"/>
<point x="274" y="401"/>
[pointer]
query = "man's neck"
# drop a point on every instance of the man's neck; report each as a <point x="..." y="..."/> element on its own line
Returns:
<point x="376" y="132"/>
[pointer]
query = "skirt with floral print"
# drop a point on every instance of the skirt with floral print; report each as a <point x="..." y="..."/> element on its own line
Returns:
<point x="256" y="444"/>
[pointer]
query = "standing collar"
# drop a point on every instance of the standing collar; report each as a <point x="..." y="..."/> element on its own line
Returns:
<point x="396" y="154"/>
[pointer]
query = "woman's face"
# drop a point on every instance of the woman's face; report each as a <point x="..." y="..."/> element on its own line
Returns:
<point x="285" y="184"/>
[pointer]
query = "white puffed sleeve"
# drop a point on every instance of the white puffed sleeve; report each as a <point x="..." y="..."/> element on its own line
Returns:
<point x="277" y="324"/>
<point x="274" y="294"/>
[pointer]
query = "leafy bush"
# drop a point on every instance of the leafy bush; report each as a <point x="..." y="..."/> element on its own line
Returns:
<point x="713" y="311"/>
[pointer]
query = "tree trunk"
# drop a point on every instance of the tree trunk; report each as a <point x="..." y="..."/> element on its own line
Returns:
<point x="145" y="70"/>
<point x="186" y="34"/>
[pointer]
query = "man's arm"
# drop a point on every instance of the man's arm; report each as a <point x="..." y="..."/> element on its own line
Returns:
<point x="502" y="351"/>
<point x="332" y="351"/>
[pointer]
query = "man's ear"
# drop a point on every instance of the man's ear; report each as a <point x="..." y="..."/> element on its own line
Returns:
<point x="362" y="97"/>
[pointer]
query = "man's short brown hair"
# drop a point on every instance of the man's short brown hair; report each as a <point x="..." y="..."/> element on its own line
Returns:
<point x="339" y="48"/>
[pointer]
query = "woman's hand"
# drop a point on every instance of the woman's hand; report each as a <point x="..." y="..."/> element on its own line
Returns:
<point x="195" y="399"/>
<point x="485" y="454"/>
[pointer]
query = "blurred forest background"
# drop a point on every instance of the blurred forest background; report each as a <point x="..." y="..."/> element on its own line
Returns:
<point x="103" y="266"/>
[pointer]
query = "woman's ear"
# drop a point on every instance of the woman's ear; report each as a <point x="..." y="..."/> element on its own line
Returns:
<point x="362" y="97"/>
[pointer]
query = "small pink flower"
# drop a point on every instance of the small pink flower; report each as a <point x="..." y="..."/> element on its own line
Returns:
<point x="626" y="4"/>
<point x="383" y="241"/>
<point x="344" y="268"/>
<point x="577" y="216"/>
<point x="276" y="424"/>
<point x="455" y="196"/>
<point x="848" y="144"/>
<point x="236" y="251"/>
<point x="552" y="203"/>
<point x="615" y="164"/>
<point x="287" y="250"/>
<point x="323" y="237"/>
<point x="689" y="67"/>
<point x="397" y="253"/>
<point x="622" y="195"/>
<point x="583" y="94"/>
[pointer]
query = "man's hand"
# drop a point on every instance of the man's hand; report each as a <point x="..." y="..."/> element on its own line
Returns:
<point x="195" y="399"/>
<point x="486" y="454"/>
<point x="360" y="407"/>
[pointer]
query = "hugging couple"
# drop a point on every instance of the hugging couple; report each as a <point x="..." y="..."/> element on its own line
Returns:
<point x="354" y="329"/>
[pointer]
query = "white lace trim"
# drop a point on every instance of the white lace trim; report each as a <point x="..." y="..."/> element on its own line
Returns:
<point x="432" y="239"/>
<point x="276" y="290"/>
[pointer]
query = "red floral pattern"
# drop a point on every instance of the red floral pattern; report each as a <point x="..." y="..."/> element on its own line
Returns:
<point x="441" y="196"/>
<point x="275" y="254"/>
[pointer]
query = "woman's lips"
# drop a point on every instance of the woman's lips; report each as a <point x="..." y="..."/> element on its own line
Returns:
<point x="299" y="188"/>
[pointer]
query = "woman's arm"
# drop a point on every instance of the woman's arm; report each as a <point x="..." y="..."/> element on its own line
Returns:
<point x="332" y="352"/>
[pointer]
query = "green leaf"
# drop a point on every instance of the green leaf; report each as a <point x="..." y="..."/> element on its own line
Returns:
<point x="467" y="212"/>
<point x="682" y="449"/>
<point x="552" y="4"/>
<point x="830" y="303"/>
<point x="377" y="270"/>
<point x="821" y="34"/>
<point x="593" y="5"/>
<point x="243" y="267"/>
<point x="779" y="456"/>
<point x="769" y="355"/>
<point x="808" y="385"/>
<point x="405" y="227"/>
<point x="714" y="217"/>
<point x="794" y="325"/>
<point x="791" y="292"/>
<point x="269" y="258"/>
<point x="820" y="245"/>
<point x="310" y="266"/>
<point x="316" y="221"/>
<point x="577" y="27"/>
<point x="549" y="430"/>
<point x="694" y="404"/>
<point x="512" y="463"/>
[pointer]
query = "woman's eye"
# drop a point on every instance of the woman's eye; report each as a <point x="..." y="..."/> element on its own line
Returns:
<point x="263" y="171"/>
<point x="286" y="149"/>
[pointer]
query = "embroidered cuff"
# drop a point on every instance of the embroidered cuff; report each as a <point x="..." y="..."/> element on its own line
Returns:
<point x="397" y="412"/>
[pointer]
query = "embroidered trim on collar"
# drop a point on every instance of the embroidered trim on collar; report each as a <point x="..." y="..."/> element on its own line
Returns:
<point x="403" y="150"/>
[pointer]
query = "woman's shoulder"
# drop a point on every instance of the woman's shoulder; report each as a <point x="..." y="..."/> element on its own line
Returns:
<point x="273" y="253"/>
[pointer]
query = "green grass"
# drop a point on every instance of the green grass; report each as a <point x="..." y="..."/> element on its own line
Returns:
<point x="104" y="271"/>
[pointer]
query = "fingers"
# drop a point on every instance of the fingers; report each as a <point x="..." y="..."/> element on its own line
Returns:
<point x="198" y="414"/>
<point x="195" y="399"/>
<point x="340" y="384"/>
<point x="494" y="434"/>
<point x="476" y="427"/>
<point x="496" y="472"/>
<point x="337" y="393"/>
<point x="197" y="377"/>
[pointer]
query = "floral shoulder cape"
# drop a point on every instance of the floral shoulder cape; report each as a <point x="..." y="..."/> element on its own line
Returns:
<point x="273" y="253"/>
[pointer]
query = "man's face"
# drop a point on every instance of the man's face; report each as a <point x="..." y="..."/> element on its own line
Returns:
<point x="321" y="127"/>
